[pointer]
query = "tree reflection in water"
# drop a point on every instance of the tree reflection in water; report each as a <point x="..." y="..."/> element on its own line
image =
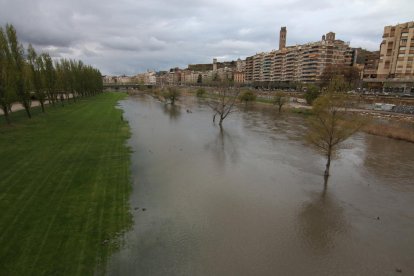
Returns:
<point x="223" y="147"/>
<point x="173" y="111"/>
<point x="320" y="221"/>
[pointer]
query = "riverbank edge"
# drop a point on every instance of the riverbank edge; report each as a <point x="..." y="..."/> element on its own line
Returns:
<point x="116" y="241"/>
<point x="390" y="131"/>
<point x="394" y="132"/>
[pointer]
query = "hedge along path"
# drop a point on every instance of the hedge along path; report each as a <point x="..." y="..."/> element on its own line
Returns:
<point x="64" y="188"/>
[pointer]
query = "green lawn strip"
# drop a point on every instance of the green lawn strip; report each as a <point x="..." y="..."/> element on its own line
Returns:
<point x="64" y="188"/>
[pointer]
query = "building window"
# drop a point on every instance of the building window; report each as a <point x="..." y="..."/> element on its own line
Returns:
<point x="403" y="48"/>
<point x="404" y="34"/>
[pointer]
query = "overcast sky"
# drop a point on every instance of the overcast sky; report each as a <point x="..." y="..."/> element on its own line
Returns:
<point x="127" y="37"/>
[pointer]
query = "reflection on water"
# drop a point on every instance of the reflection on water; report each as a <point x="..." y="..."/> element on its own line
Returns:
<point x="386" y="161"/>
<point x="223" y="147"/>
<point x="173" y="111"/>
<point x="250" y="200"/>
<point x="320" y="221"/>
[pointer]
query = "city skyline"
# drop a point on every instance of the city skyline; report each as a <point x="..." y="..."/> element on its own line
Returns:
<point x="129" y="37"/>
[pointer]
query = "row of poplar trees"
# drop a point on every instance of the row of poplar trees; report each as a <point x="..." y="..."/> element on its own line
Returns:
<point x="26" y="75"/>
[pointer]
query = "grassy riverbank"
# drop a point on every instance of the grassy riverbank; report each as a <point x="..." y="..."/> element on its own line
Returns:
<point x="394" y="132"/>
<point x="64" y="188"/>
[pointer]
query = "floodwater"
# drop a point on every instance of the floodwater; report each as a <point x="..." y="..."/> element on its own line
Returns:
<point x="250" y="200"/>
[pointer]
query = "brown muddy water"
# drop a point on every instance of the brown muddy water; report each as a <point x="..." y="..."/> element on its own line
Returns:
<point x="251" y="201"/>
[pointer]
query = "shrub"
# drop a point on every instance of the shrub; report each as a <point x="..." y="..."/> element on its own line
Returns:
<point x="248" y="96"/>
<point x="200" y="92"/>
<point x="312" y="94"/>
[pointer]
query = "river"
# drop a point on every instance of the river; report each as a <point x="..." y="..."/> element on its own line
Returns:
<point x="250" y="200"/>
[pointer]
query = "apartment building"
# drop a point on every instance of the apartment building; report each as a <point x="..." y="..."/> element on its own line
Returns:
<point x="240" y="65"/>
<point x="239" y="77"/>
<point x="367" y="62"/>
<point x="248" y="70"/>
<point x="257" y="66"/>
<point x="301" y="63"/>
<point x="109" y="79"/>
<point x="397" y="52"/>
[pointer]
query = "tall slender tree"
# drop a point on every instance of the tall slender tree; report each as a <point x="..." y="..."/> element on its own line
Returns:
<point x="21" y="75"/>
<point x="36" y="79"/>
<point x="18" y="70"/>
<point x="49" y="74"/>
<point x="7" y="95"/>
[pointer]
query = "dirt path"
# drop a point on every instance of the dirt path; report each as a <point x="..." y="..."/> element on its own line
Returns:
<point x="18" y="106"/>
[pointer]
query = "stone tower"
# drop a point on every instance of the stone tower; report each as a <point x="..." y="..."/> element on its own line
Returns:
<point x="214" y="64"/>
<point x="330" y="36"/>
<point x="282" y="38"/>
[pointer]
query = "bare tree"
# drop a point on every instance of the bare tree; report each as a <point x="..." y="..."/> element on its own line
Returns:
<point x="350" y="74"/>
<point x="223" y="102"/>
<point x="331" y="124"/>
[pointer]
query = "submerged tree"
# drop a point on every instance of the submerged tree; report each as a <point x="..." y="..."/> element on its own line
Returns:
<point x="248" y="96"/>
<point x="280" y="100"/>
<point x="331" y="124"/>
<point x="200" y="92"/>
<point x="224" y="102"/>
<point x="172" y="94"/>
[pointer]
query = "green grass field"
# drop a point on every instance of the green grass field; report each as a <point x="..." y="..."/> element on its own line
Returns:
<point x="64" y="188"/>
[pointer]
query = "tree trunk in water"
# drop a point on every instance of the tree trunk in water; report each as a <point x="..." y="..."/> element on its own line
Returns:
<point x="325" y="183"/>
<point x="280" y="108"/>
<point x="328" y="164"/>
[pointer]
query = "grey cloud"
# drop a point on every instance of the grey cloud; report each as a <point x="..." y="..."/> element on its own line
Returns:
<point x="134" y="43"/>
<point x="128" y="36"/>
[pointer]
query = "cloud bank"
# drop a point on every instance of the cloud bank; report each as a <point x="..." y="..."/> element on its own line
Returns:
<point x="127" y="36"/>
